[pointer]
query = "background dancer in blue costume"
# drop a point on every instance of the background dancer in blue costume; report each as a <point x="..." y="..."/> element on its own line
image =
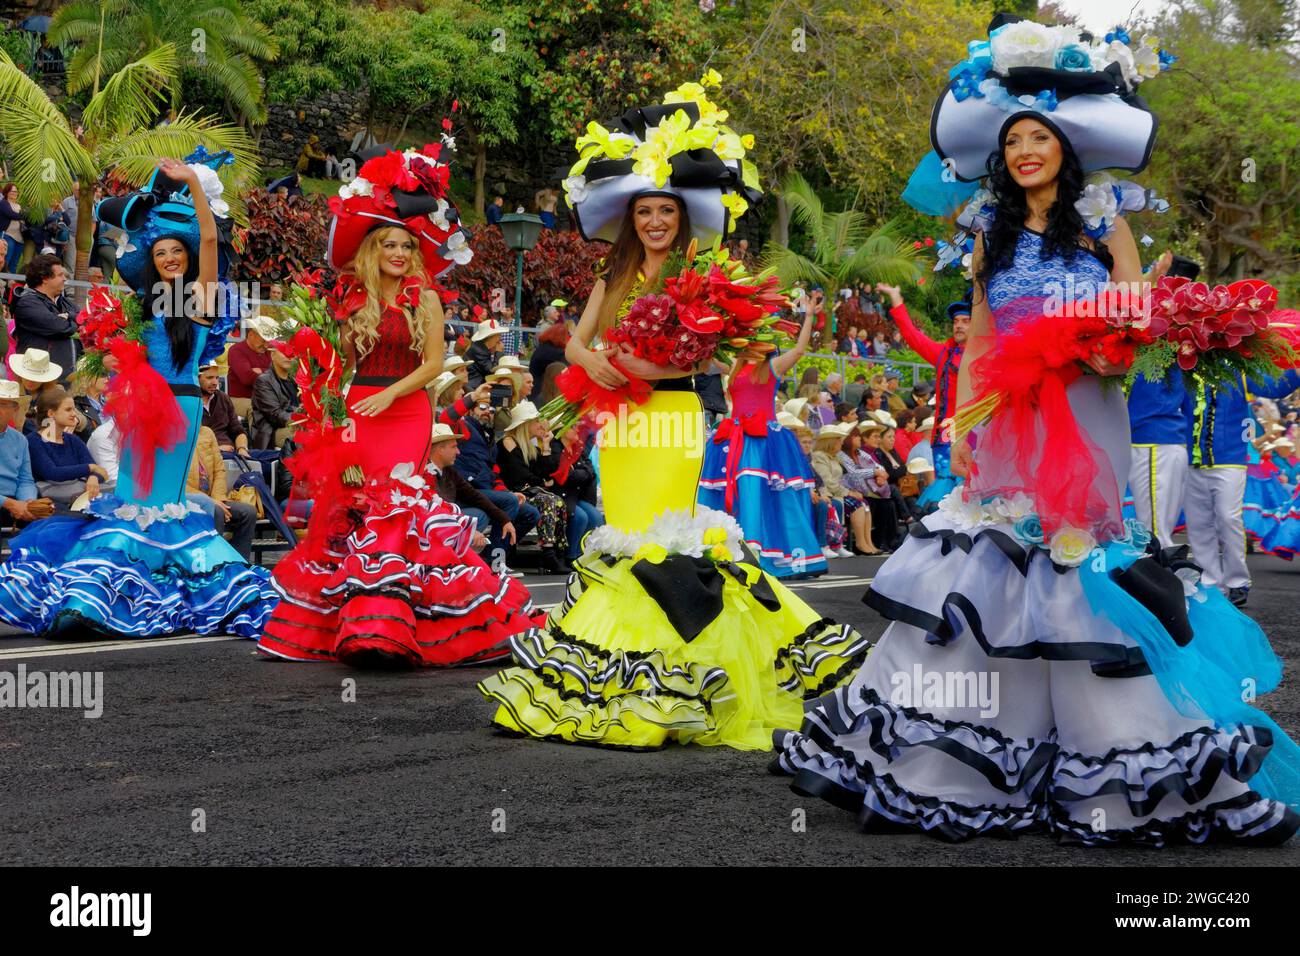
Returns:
<point x="1048" y="668"/>
<point x="143" y="561"/>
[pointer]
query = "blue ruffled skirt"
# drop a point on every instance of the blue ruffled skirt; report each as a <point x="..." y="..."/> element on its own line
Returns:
<point x="1282" y="533"/>
<point x="773" y="500"/>
<point x="135" y="571"/>
<point x="1264" y="503"/>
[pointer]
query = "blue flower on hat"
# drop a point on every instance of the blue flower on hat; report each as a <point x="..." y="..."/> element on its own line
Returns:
<point x="1120" y="34"/>
<point x="1075" y="57"/>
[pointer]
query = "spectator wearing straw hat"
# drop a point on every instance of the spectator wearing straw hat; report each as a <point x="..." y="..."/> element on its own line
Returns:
<point x="35" y="374"/>
<point x="443" y="391"/>
<point x="457" y="366"/>
<point x="484" y="351"/>
<point x="249" y="360"/>
<point x="18" y="496"/>
<point x="528" y="459"/>
<point x="494" y="526"/>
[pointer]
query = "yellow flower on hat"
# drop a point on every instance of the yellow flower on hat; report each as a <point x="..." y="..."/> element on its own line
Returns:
<point x="720" y="552"/>
<point x="715" y="536"/>
<point x="711" y="78"/>
<point x="729" y="145"/>
<point x="710" y="114"/>
<point x="654" y="553"/>
<point x="736" y="205"/>
<point x="599" y="141"/>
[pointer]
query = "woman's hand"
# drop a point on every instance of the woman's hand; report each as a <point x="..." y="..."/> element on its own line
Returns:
<point x="92" y="486"/>
<point x="1103" y="366"/>
<point x="178" y="171"/>
<point x="961" y="459"/>
<point x="602" y="372"/>
<point x="375" y="404"/>
<point x="639" y="367"/>
<point x="98" y="470"/>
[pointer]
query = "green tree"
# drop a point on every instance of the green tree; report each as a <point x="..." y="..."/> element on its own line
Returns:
<point x="322" y="46"/>
<point x="1226" y="152"/>
<point x="50" y="157"/>
<point x="842" y="247"/>
<point x="842" y="86"/>
<point x="218" y="38"/>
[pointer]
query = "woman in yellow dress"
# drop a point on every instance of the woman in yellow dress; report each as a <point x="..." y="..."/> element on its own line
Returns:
<point x="668" y="630"/>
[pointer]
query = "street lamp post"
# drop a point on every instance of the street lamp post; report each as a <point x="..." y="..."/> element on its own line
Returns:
<point x="520" y="230"/>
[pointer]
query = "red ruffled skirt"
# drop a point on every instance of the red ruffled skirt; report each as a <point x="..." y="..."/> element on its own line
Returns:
<point x="393" y="579"/>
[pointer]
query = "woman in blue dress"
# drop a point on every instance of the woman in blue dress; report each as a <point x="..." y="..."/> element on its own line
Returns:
<point x="1044" y="669"/>
<point x="755" y="470"/>
<point x="144" y="562"/>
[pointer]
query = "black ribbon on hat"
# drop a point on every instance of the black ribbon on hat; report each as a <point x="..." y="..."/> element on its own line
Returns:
<point x="411" y="204"/>
<point x="1151" y="582"/>
<point x="638" y="119"/>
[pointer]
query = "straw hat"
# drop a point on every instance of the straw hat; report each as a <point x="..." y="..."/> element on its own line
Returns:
<point x="871" y="425"/>
<point x="792" y="422"/>
<point x="35" y="366"/>
<point x="511" y="363"/>
<point x="444" y="381"/>
<point x="918" y="466"/>
<point x="10" y="391"/>
<point x="836" y="430"/>
<point x="927" y="424"/>
<point x="263" y="325"/>
<point x="523" y="412"/>
<point x="443" y="433"/>
<point x="796" y="406"/>
<point x="453" y="362"/>
<point x="487" y="329"/>
<point x="884" y="418"/>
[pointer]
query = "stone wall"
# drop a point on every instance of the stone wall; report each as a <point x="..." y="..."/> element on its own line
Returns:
<point x="331" y="116"/>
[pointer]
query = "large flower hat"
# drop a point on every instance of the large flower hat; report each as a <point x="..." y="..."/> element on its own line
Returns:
<point x="1082" y="87"/>
<point x="407" y="189"/>
<point x="164" y="209"/>
<point x="681" y="148"/>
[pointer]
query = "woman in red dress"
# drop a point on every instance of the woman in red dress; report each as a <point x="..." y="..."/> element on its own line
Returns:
<point x="393" y="578"/>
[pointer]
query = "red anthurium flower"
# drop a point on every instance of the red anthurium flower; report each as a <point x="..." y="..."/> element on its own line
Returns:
<point x="383" y="170"/>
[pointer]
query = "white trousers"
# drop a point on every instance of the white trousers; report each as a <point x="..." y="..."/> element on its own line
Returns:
<point x="1158" y="478"/>
<point x="1214" y="525"/>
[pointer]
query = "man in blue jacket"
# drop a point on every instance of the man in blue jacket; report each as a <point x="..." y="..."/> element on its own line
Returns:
<point x="1222" y="425"/>
<point x="1160" y="418"/>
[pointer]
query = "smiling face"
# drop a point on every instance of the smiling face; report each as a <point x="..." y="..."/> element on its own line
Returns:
<point x="396" y="252"/>
<point x="657" y="219"/>
<point x="1032" y="153"/>
<point x="170" y="258"/>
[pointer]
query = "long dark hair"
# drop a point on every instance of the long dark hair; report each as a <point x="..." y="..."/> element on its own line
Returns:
<point x="180" y="329"/>
<point x="625" y="258"/>
<point x="1064" y="233"/>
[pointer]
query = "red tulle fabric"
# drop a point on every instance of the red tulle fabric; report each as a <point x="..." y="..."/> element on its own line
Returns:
<point x="1034" y="429"/>
<point x="400" y="578"/>
<point x="148" y="416"/>
<point x="595" y="401"/>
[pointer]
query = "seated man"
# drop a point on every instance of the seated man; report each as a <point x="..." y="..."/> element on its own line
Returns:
<point x="17" y="486"/>
<point x="220" y="416"/>
<point x="454" y="489"/>
<point x="275" y="400"/>
<point x="206" y="487"/>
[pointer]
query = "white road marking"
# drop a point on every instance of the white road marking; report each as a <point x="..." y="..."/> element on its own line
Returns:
<point x="103" y="647"/>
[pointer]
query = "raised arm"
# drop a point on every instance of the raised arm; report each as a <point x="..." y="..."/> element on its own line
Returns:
<point x="917" y="340"/>
<point x="205" y="287"/>
<point x="782" y="363"/>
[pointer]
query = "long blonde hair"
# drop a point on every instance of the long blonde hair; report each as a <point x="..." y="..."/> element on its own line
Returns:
<point x="362" y="326"/>
<point x="522" y="436"/>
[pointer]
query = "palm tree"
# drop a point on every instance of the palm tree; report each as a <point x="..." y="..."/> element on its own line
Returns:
<point x="845" y="249"/>
<point x="219" y="40"/>
<point x="50" y="158"/>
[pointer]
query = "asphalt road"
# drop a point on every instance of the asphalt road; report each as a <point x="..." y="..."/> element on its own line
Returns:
<point x="285" y="772"/>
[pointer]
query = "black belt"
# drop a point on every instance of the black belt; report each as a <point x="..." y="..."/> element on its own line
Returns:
<point x="379" y="380"/>
<point x="686" y="384"/>
<point x="185" y="391"/>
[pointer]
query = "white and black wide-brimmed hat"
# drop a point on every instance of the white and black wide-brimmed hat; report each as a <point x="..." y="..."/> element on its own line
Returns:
<point x="1082" y="87"/>
<point x="701" y="164"/>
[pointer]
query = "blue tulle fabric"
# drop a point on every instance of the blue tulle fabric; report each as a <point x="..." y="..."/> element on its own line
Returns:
<point x="944" y="480"/>
<point x="176" y="575"/>
<point x="773" y="500"/>
<point x="935" y="191"/>
<point x="1228" y="659"/>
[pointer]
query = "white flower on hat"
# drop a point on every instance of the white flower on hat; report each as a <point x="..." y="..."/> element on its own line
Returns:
<point x="125" y="245"/>
<point x="1025" y="43"/>
<point x="1012" y="509"/>
<point x="212" y="187"/>
<point x="1146" y="58"/>
<point x="962" y="513"/>
<point x="358" y="187"/>
<point x="1117" y="52"/>
<point x="449" y="141"/>
<point x="575" y="189"/>
<point x="439" y="215"/>
<point x="458" y="248"/>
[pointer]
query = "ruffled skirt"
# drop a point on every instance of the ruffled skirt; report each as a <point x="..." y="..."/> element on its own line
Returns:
<point x="131" y="570"/>
<point x="999" y="702"/>
<point x="772" y="501"/>
<point x="396" y="582"/>
<point x="1264" y="504"/>
<point x="650" y="648"/>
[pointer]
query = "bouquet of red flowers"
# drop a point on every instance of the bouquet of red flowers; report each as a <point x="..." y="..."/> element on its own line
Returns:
<point x="706" y="307"/>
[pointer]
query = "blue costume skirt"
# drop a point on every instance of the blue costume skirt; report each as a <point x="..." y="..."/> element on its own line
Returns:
<point x="1282" y="530"/>
<point x="944" y="480"/>
<point x="1263" y="505"/>
<point x="133" y="570"/>
<point x="773" y="499"/>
